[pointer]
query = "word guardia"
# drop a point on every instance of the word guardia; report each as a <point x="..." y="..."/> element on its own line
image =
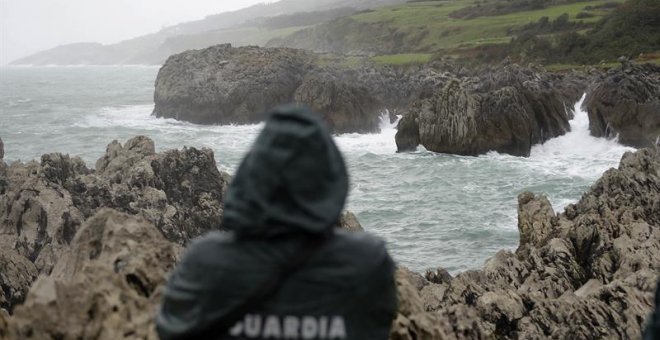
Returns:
<point x="290" y="327"/>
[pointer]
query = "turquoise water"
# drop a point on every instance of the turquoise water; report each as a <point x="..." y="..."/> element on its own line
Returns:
<point x="432" y="209"/>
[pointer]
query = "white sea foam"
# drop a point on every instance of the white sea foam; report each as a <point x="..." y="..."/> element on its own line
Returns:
<point x="381" y="143"/>
<point x="575" y="156"/>
<point x="577" y="153"/>
<point x="18" y="102"/>
<point x="434" y="209"/>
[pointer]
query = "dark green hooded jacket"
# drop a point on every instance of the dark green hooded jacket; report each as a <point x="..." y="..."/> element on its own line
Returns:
<point x="292" y="185"/>
<point x="652" y="331"/>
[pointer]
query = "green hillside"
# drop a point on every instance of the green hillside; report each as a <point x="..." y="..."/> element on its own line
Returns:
<point x="432" y="19"/>
<point x="483" y="30"/>
<point x="254" y="25"/>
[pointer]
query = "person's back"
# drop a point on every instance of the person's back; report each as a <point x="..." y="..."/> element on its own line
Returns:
<point x="281" y="209"/>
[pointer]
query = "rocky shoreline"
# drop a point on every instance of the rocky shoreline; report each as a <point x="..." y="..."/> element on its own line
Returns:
<point x="587" y="273"/>
<point x="446" y="108"/>
<point x="85" y="252"/>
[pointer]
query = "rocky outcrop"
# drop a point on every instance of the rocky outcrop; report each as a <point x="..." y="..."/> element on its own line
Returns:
<point x="398" y="88"/>
<point x="589" y="272"/>
<point x="16" y="275"/>
<point x="348" y="221"/>
<point x="346" y="105"/>
<point x="105" y="286"/>
<point x="625" y="103"/>
<point x="179" y="190"/>
<point x="226" y="85"/>
<point x="451" y="109"/>
<point x="135" y="203"/>
<point x="43" y="204"/>
<point x="3" y="170"/>
<point x="507" y="109"/>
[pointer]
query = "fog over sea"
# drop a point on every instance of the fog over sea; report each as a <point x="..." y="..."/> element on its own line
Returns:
<point x="433" y="209"/>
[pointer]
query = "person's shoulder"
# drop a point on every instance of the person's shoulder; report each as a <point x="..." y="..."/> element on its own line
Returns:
<point x="208" y="248"/>
<point x="363" y="240"/>
<point x="360" y="248"/>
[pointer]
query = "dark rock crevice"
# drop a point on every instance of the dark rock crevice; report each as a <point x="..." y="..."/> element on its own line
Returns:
<point x="625" y="102"/>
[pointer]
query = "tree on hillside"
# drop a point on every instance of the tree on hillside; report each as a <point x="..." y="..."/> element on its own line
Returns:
<point x="633" y="29"/>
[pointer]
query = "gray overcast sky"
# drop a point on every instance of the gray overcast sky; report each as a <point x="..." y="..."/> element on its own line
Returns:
<point x="28" y="26"/>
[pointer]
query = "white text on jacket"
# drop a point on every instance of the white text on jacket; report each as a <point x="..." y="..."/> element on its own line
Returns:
<point x="290" y="327"/>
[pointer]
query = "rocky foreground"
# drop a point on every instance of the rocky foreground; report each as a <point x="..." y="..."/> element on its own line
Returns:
<point x="84" y="252"/>
<point x="587" y="273"/>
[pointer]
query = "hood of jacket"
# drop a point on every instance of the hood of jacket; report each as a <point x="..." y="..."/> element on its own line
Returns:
<point x="293" y="180"/>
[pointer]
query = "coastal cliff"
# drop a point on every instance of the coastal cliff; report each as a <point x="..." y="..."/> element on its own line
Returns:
<point x="625" y="103"/>
<point x="506" y="109"/>
<point x="86" y="252"/>
<point x="445" y="107"/>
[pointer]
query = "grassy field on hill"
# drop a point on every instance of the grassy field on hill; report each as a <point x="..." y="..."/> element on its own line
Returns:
<point x="486" y="30"/>
<point x="442" y="32"/>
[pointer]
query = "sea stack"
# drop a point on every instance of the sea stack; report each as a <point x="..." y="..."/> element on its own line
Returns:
<point x="226" y="85"/>
<point x="625" y="103"/>
<point x="508" y="110"/>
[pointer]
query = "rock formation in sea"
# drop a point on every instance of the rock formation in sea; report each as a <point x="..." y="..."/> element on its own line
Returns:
<point x="507" y="109"/>
<point x="625" y="102"/>
<point x="446" y="107"/>
<point x="227" y="85"/>
<point x="90" y="239"/>
<point x="346" y="106"/>
<point x="587" y="273"/>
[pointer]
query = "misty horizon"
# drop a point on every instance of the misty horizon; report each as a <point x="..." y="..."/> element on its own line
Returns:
<point x="40" y="25"/>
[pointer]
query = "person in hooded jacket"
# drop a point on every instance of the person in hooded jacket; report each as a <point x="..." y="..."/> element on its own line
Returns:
<point x="652" y="331"/>
<point x="283" y="270"/>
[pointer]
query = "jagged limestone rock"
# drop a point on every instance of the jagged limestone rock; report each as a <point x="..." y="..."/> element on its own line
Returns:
<point x="625" y="103"/>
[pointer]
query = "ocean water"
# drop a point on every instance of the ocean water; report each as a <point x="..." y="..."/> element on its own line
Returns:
<point x="432" y="209"/>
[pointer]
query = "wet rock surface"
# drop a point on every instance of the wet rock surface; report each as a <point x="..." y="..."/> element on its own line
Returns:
<point x="224" y="85"/>
<point x="348" y="221"/>
<point x="507" y="109"/>
<point x="587" y="273"/>
<point x="446" y="107"/>
<point x="346" y="106"/>
<point x="625" y="102"/>
<point x="16" y="275"/>
<point x="105" y="286"/>
<point x="84" y="252"/>
<point x="43" y="204"/>
<point x="227" y="85"/>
